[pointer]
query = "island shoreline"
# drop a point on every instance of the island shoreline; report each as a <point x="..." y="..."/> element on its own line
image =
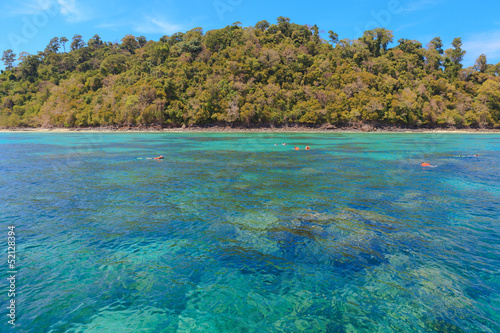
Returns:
<point x="264" y="129"/>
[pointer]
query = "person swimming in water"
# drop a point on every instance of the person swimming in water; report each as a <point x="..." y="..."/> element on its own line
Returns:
<point x="307" y="148"/>
<point x="159" y="158"/>
<point x="296" y="148"/>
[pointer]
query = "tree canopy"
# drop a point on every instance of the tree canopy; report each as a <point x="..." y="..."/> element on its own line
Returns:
<point x="282" y="73"/>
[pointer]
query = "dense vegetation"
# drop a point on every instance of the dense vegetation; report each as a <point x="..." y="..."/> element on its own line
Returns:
<point x="281" y="73"/>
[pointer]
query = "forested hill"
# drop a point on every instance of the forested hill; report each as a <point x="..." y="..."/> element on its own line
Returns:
<point x="281" y="73"/>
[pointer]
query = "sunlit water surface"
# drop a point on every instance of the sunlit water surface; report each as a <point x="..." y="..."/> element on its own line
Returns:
<point x="231" y="233"/>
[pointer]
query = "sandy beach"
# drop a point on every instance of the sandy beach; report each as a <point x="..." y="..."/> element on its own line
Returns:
<point x="256" y="129"/>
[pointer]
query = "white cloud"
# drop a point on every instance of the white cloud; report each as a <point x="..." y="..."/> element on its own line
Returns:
<point x="111" y="25"/>
<point x="406" y="26"/>
<point x="69" y="9"/>
<point x="417" y="5"/>
<point x="29" y="7"/>
<point x="477" y="44"/>
<point x="147" y="25"/>
<point x="156" y="26"/>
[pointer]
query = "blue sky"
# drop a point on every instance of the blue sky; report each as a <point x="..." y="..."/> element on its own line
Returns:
<point x="28" y="25"/>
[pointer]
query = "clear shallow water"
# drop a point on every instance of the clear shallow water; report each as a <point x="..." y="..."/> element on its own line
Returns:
<point x="232" y="234"/>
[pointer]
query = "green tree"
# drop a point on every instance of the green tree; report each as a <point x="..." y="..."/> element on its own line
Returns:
<point x="409" y="46"/>
<point x="217" y="40"/>
<point x="29" y="67"/>
<point x="284" y="25"/>
<point x="262" y="25"/>
<point x="63" y="41"/>
<point x="456" y="54"/>
<point x="77" y="42"/>
<point x="481" y="63"/>
<point x="159" y="54"/>
<point x="433" y="54"/>
<point x="129" y="43"/>
<point x="95" y="41"/>
<point x="8" y="58"/>
<point x="53" y="46"/>
<point x="436" y="44"/>
<point x="489" y="94"/>
<point x="315" y="30"/>
<point x="377" y="40"/>
<point x="114" y="64"/>
<point x="453" y="59"/>
<point x="22" y="56"/>
<point x="176" y="38"/>
<point x="142" y="41"/>
<point x="334" y="37"/>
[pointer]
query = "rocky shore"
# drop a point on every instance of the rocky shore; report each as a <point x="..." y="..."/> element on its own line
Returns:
<point x="262" y="128"/>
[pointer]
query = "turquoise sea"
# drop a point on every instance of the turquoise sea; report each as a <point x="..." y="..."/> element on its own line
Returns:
<point x="230" y="233"/>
